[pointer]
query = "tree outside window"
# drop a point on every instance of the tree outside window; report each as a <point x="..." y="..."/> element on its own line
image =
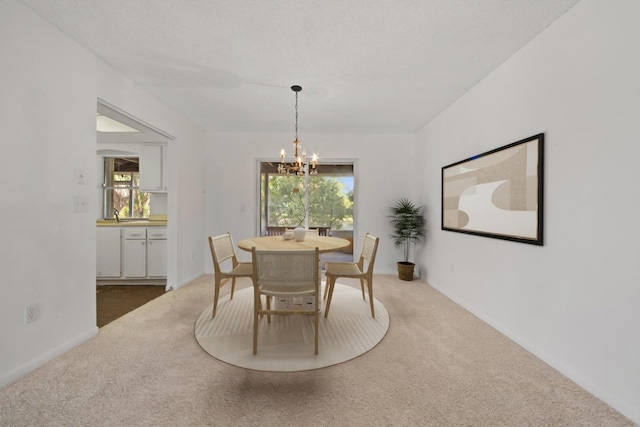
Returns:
<point x="127" y="198"/>
<point x="330" y="200"/>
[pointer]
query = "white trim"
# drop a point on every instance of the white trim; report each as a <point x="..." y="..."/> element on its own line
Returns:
<point x="186" y="281"/>
<point x="565" y="369"/>
<point x="122" y="116"/>
<point x="43" y="358"/>
<point x="330" y="161"/>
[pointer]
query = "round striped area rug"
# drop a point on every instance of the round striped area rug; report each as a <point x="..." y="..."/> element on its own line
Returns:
<point x="286" y="344"/>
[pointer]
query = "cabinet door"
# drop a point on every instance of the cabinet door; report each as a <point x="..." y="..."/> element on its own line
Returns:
<point x="135" y="255"/>
<point x="151" y="168"/>
<point x="156" y="258"/>
<point x="108" y="252"/>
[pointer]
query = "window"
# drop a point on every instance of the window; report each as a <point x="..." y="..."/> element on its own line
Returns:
<point x="121" y="189"/>
<point x="282" y="198"/>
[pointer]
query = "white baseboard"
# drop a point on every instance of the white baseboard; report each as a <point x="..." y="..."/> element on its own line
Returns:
<point x="626" y="408"/>
<point x="43" y="358"/>
<point x="188" y="280"/>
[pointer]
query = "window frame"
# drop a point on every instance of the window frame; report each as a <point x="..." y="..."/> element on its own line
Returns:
<point x="353" y="163"/>
<point x="108" y="186"/>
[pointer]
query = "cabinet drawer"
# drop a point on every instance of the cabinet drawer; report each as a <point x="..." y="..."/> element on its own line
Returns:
<point x="156" y="234"/>
<point x="135" y="233"/>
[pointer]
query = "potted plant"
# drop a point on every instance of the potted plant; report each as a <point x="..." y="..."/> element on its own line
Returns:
<point x="408" y="224"/>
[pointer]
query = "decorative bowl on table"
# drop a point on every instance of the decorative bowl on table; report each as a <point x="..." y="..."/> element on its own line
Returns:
<point x="288" y="235"/>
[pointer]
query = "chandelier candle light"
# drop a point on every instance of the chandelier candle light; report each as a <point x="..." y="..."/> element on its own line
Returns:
<point x="299" y="165"/>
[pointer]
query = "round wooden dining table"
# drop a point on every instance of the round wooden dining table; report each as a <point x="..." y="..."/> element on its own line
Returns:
<point x="278" y="243"/>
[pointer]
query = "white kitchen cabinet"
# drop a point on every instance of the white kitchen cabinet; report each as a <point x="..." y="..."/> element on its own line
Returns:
<point x="108" y="252"/>
<point x="131" y="253"/>
<point x="153" y="171"/>
<point x="157" y="252"/>
<point x="157" y="258"/>
<point x="135" y="252"/>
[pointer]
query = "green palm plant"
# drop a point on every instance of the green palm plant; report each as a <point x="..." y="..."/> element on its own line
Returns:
<point x="408" y="224"/>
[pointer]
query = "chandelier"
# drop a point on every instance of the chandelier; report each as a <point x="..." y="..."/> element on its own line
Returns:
<point x="299" y="165"/>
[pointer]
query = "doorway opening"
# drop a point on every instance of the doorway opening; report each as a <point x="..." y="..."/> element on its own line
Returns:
<point x="131" y="267"/>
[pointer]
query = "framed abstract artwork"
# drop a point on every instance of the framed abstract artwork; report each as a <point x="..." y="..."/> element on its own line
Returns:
<point x="497" y="194"/>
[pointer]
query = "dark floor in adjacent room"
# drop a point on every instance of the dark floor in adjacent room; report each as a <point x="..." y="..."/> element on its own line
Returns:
<point x="114" y="301"/>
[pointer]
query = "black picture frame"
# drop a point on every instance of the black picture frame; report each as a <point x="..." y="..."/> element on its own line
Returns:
<point x="497" y="194"/>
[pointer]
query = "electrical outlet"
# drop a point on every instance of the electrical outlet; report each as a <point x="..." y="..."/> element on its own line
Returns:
<point x="31" y="313"/>
<point x="80" y="203"/>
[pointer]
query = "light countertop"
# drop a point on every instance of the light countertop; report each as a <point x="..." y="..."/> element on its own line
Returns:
<point x="131" y="223"/>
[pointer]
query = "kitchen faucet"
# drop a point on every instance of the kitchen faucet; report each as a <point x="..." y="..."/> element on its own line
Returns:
<point x="117" y="214"/>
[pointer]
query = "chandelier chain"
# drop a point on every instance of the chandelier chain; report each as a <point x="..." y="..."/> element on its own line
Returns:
<point x="296" y="116"/>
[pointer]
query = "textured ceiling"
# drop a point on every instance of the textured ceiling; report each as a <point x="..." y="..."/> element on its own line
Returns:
<point x="366" y="66"/>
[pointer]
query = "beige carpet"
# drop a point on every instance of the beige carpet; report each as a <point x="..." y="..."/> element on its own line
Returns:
<point x="438" y="365"/>
<point x="286" y="344"/>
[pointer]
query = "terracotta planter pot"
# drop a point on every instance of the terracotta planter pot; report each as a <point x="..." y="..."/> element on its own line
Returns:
<point x="405" y="270"/>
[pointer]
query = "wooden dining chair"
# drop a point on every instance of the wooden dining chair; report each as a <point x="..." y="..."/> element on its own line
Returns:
<point x="223" y="254"/>
<point x="354" y="270"/>
<point x="285" y="274"/>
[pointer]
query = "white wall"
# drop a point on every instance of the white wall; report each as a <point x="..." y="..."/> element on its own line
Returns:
<point x="50" y="86"/>
<point x="574" y="301"/>
<point x="383" y="176"/>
